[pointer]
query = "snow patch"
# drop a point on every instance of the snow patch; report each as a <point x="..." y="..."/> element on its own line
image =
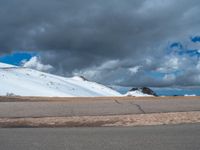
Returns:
<point x="189" y="95"/>
<point x="3" y="65"/>
<point x="136" y="93"/>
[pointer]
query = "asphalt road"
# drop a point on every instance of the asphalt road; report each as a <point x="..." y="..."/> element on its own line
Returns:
<point x="168" y="137"/>
<point x="98" y="107"/>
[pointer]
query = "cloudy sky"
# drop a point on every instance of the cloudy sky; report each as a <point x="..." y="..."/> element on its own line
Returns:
<point x="117" y="42"/>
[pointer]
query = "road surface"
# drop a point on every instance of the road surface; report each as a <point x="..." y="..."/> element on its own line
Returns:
<point x="97" y="106"/>
<point x="168" y="137"/>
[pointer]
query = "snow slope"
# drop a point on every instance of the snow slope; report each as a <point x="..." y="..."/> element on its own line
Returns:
<point x="28" y="82"/>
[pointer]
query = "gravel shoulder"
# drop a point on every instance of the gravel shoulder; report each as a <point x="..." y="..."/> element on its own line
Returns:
<point x="103" y="121"/>
<point x="90" y="99"/>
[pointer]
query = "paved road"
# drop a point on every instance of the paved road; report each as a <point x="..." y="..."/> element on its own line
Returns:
<point x="97" y="107"/>
<point x="172" y="137"/>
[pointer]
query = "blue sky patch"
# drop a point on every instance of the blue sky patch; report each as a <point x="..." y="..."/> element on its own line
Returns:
<point x="176" y="45"/>
<point x="193" y="52"/>
<point x="155" y="74"/>
<point x="179" y="49"/>
<point x="177" y="91"/>
<point x="195" y="39"/>
<point x="16" y="57"/>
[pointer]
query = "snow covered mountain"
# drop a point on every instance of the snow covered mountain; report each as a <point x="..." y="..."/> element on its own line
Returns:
<point x="22" y="81"/>
<point x="140" y="92"/>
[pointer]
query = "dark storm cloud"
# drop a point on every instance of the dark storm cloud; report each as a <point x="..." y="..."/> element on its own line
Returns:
<point x="77" y="36"/>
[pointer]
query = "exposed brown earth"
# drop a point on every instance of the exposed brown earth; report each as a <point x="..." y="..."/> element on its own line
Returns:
<point x="76" y="99"/>
<point x="102" y="121"/>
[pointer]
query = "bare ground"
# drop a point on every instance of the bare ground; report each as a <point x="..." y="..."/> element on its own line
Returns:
<point x="99" y="121"/>
<point x="88" y="99"/>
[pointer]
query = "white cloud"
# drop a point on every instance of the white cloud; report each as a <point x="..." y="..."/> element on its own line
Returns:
<point x="154" y="5"/>
<point x="134" y="69"/>
<point x="35" y="63"/>
<point x="107" y="71"/>
<point x="198" y="65"/>
<point x="169" y="77"/>
<point x="111" y="64"/>
<point x="95" y="71"/>
<point x="171" y="63"/>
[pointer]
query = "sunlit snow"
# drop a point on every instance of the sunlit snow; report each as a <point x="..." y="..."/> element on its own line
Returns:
<point x="28" y="82"/>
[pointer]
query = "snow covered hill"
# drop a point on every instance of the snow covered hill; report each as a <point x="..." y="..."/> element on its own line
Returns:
<point x="141" y="92"/>
<point x="136" y="94"/>
<point x="28" y="82"/>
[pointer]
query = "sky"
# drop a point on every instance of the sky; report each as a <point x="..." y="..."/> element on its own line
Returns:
<point x="129" y="43"/>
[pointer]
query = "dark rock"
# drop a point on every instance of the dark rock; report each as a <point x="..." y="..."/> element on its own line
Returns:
<point x="83" y="78"/>
<point x="145" y="90"/>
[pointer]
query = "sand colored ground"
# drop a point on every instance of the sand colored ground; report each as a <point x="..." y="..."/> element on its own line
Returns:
<point x="81" y="99"/>
<point x="99" y="121"/>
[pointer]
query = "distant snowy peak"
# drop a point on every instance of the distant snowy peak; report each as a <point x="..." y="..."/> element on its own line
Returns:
<point x="136" y="94"/>
<point x="3" y="65"/>
<point x="29" y="82"/>
<point x="79" y="78"/>
<point x="144" y="91"/>
<point x="189" y="95"/>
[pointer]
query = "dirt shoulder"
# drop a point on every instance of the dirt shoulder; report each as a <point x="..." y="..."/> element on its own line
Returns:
<point x="89" y="99"/>
<point x="102" y="121"/>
